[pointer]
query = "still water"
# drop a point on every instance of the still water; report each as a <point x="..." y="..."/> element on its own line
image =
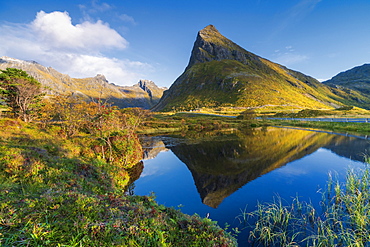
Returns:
<point x="221" y="174"/>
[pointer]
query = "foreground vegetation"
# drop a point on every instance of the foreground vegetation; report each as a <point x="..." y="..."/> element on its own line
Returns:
<point x="343" y="221"/>
<point x="66" y="166"/>
<point x="59" y="191"/>
<point x="65" y="170"/>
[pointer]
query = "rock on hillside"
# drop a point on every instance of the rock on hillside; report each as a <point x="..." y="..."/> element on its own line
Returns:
<point x="144" y="94"/>
<point x="221" y="73"/>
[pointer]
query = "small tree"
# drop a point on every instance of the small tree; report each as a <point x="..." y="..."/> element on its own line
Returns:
<point x="73" y="113"/>
<point x="134" y="117"/>
<point x="20" y="91"/>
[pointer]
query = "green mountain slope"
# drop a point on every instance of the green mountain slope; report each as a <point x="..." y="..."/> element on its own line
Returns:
<point x="221" y="73"/>
<point x="357" y="78"/>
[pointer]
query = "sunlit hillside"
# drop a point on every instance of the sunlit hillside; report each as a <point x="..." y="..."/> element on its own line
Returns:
<point x="222" y="74"/>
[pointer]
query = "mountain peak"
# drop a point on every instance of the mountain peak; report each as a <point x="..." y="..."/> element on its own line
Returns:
<point x="221" y="73"/>
<point x="212" y="35"/>
<point x="209" y="30"/>
<point x="211" y="45"/>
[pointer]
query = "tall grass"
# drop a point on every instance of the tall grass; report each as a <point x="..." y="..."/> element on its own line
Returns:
<point x="343" y="220"/>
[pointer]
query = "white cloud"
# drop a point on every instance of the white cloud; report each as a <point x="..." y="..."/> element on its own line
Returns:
<point x="114" y="69"/>
<point x="78" y="50"/>
<point x="100" y="7"/>
<point x="127" y="18"/>
<point x="55" y="30"/>
<point x="299" y="11"/>
<point x="289" y="59"/>
<point x="302" y="9"/>
<point x="94" y="8"/>
<point x="288" y="56"/>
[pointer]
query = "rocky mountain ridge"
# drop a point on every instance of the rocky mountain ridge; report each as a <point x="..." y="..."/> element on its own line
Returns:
<point x="220" y="73"/>
<point x="144" y="94"/>
<point x="211" y="45"/>
<point x="357" y="78"/>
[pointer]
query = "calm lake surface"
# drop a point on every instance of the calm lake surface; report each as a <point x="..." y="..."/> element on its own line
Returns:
<point x="222" y="174"/>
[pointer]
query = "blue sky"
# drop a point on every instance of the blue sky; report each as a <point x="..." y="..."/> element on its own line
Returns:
<point x="128" y="40"/>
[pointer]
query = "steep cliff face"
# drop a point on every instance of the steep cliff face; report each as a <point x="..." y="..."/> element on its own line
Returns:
<point x="154" y="92"/>
<point x="211" y="45"/>
<point x="145" y="94"/>
<point x="221" y="73"/>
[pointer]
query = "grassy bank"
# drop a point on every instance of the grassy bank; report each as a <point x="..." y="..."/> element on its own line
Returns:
<point x="209" y="119"/>
<point x="344" y="218"/>
<point x="184" y="122"/>
<point x="61" y="191"/>
<point x="162" y="123"/>
<point x="340" y="127"/>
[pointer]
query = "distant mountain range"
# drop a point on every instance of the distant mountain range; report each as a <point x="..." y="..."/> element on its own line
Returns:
<point x="222" y="74"/>
<point x="357" y="78"/>
<point x="144" y="94"/>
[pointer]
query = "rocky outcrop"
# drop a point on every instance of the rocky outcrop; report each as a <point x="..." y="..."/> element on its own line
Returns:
<point x="145" y="94"/>
<point x="211" y="45"/>
<point x="154" y="92"/>
<point x="145" y="85"/>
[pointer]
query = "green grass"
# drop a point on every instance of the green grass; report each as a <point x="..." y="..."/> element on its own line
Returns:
<point x="345" y="111"/>
<point x="186" y="122"/>
<point x="56" y="191"/>
<point x="343" y="221"/>
<point x="340" y="127"/>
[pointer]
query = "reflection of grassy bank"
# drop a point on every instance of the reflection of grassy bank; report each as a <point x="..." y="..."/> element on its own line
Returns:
<point x="60" y="191"/>
<point x="183" y="122"/>
<point x="186" y="123"/>
<point x="344" y="220"/>
<point x="359" y="128"/>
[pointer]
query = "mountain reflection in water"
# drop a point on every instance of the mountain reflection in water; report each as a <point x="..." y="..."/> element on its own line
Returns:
<point x="222" y="163"/>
